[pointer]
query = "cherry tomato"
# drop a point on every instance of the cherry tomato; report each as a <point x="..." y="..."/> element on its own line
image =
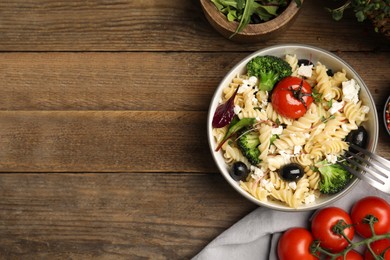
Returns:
<point x="294" y="244"/>
<point x="291" y="97"/>
<point x="378" y="247"/>
<point x="321" y="227"/>
<point x="375" y="206"/>
<point x="351" y="255"/>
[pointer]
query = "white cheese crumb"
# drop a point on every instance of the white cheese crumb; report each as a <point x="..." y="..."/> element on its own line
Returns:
<point x="297" y="149"/>
<point x="336" y="106"/>
<point x="277" y="130"/>
<point x="292" y="185"/>
<point x="257" y="173"/>
<point x="345" y="127"/>
<point x="269" y="186"/>
<point x="331" y="158"/>
<point x="244" y="87"/>
<point x="306" y="135"/>
<point x="237" y="109"/>
<point x="351" y="91"/>
<point x="365" y="109"/>
<point x="310" y="199"/>
<point x="252" y="81"/>
<point x="305" y="71"/>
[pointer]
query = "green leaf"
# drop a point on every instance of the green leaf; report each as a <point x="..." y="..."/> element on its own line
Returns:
<point x="246" y="16"/>
<point x="360" y="16"/>
<point x="235" y="126"/>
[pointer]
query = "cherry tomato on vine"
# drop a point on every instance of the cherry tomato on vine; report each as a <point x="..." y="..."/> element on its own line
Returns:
<point x="291" y="97"/>
<point x="378" y="247"/>
<point x="351" y="255"/>
<point x="294" y="244"/>
<point x="375" y="206"/>
<point x="322" y="224"/>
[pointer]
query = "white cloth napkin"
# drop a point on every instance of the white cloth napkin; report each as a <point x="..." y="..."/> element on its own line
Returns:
<point x="256" y="235"/>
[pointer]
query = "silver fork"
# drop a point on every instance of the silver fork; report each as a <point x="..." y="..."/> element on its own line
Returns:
<point x="374" y="169"/>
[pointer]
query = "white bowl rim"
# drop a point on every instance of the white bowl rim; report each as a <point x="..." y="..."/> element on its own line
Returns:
<point x="211" y="139"/>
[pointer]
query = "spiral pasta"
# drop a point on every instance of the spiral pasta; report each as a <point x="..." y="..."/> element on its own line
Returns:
<point x="319" y="135"/>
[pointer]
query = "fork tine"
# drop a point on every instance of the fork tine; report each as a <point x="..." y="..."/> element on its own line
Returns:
<point x="383" y="161"/>
<point x="382" y="170"/>
<point x="363" y="177"/>
<point x="374" y="175"/>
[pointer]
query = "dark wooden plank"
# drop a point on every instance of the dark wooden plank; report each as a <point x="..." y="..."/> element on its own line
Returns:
<point x="109" y="141"/>
<point x="152" y="25"/>
<point x="139" y="81"/>
<point x="114" y="216"/>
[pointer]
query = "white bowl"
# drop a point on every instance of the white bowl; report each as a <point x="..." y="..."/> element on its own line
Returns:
<point x="313" y="54"/>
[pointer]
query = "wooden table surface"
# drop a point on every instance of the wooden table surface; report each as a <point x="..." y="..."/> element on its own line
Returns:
<point x="103" y="106"/>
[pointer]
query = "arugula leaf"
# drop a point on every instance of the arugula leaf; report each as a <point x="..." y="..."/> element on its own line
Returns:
<point x="235" y="126"/>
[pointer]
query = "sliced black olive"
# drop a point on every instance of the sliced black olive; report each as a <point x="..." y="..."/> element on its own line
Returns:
<point x="330" y="73"/>
<point x="304" y="62"/>
<point x="291" y="172"/>
<point x="358" y="137"/>
<point x="239" y="171"/>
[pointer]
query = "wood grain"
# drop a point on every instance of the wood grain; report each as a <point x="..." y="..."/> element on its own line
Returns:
<point x="110" y="141"/>
<point x="104" y="141"/>
<point x="152" y="25"/>
<point x="114" y="216"/>
<point x="150" y="81"/>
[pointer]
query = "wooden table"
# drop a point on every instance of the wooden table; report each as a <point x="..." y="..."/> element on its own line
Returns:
<point x="103" y="105"/>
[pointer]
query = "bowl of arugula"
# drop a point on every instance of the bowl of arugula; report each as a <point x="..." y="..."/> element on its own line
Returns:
<point x="251" y="20"/>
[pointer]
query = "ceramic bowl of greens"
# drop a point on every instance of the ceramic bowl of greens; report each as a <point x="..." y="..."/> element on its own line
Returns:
<point x="250" y="20"/>
<point x="281" y="119"/>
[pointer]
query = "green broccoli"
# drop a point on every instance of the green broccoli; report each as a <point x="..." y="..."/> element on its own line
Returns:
<point x="269" y="69"/>
<point x="334" y="177"/>
<point x="248" y="142"/>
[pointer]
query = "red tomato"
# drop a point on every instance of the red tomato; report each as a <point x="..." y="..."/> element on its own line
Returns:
<point x="375" y="206"/>
<point x="321" y="227"/>
<point x="378" y="247"/>
<point x="294" y="244"/>
<point x="291" y="97"/>
<point x="351" y="255"/>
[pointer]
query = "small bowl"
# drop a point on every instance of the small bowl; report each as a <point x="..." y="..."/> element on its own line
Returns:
<point x="252" y="32"/>
<point x="314" y="54"/>
<point x="386" y="115"/>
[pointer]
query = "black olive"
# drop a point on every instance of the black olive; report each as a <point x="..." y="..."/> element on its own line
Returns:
<point x="291" y="172"/>
<point x="239" y="171"/>
<point x="358" y="137"/>
<point x="304" y="62"/>
<point x="330" y="73"/>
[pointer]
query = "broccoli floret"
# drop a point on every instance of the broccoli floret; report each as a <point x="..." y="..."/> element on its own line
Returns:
<point x="269" y="69"/>
<point x="333" y="177"/>
<point x="248" y="143"/>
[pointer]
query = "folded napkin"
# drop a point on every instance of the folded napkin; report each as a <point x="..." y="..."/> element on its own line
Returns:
<point x="256" y="235"/>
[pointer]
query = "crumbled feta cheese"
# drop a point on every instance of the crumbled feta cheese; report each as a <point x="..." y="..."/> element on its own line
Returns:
<point x="345" y="127"/>
<point x="292" y="185"/>
<point x="257" y="173"/>
<point x="306" y="135"/>
<point x="244" y="87"/>
<point x="297" y="149"/>
<point x="351" y="91"/>
<point x="285" y="155"/>
<point x="336" y="106"/>
<point x="251" y="81"/>
<point x="277" y="130"/>
<point x="365" y="109"/>
<point x="269" y="186"/>
<point x="237" y="109"/>
<point x="255" y="102"/>
<point x="310" y="199"/>
<point x="305" y="71"/>
<point x="331" y="158"/>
